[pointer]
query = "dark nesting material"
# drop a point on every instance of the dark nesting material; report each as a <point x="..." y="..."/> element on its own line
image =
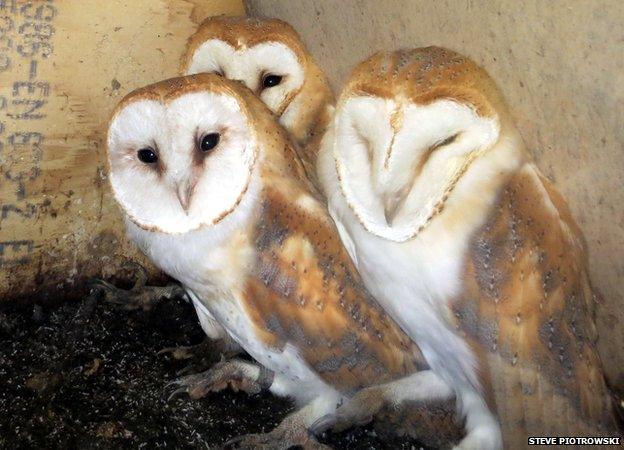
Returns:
<point x="87" y="375"/>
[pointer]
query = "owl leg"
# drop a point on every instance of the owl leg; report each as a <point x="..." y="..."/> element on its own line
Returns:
<point x="235" y="373"/>
<point x="291" y="432"/>
<point x="361" y="408"/>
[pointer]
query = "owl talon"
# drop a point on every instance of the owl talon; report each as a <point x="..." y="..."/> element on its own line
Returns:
<point x="356" y="411"/>
<point x="339" y="422"/>
<point x="279" y="438"/>
<point x="233" y="373"/>
<point x="291" y="432"/>
<point x="176" y="393"/>
<point x="186" y="370"/>
<point x="322" y="424"/>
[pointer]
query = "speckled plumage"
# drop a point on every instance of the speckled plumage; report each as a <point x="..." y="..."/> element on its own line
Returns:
<point x="270" y="269"/>
<point x="527" y="307"/>
<point x="466" y="245"/>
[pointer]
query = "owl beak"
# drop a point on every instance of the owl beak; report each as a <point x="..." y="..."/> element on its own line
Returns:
<point x="184" y="193"/>
<point x="393" y="196"/>
<point x="393" y="202"/>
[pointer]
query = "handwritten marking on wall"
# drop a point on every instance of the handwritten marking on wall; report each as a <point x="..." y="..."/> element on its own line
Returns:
<point x="26" y="32"/>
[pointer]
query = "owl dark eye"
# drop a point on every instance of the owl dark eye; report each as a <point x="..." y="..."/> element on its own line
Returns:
<point x="447" y="141"/>
<point x="270" y="80"/>
<point x="147" y="155"/>
<point x="209" y="141"/>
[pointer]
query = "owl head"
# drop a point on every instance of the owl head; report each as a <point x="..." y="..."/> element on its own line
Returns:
<point x="268" y="57"/>
<point x="407" y="126"/>
<point x="181" y="153"/>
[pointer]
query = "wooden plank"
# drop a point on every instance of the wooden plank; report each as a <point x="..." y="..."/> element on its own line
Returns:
<point x="63" y="67"/>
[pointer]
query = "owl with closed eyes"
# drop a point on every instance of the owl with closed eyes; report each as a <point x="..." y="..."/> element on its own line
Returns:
<point x="466" y="244"/>
<point x="215" y="195"/>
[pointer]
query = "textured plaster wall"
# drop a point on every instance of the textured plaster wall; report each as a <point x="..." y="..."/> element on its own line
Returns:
<point x="560" y="65"/>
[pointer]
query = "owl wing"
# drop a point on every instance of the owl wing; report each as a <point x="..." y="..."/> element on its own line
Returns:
<point x="527" y="311"/>
<point x="306" y="292"/>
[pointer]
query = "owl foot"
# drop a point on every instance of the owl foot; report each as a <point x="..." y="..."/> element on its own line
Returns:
<point x="356" y="411"/>
<point x="417" y="390"/>
<point x="237" y="374"/>
<point x="290" y="433"/>
<point x="139" y="297"/>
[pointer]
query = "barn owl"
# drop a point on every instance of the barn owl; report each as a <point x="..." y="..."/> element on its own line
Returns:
<point x="466" y="245"/>
<point x="216" y="197"/>
<point x="267" y="56"/>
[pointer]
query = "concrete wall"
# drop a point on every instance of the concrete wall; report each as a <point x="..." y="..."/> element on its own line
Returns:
<point x="560" y="65"/>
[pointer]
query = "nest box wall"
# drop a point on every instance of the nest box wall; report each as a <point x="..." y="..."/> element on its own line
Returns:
<point x="561" y="67"/>
<point x="63" y="67"/>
